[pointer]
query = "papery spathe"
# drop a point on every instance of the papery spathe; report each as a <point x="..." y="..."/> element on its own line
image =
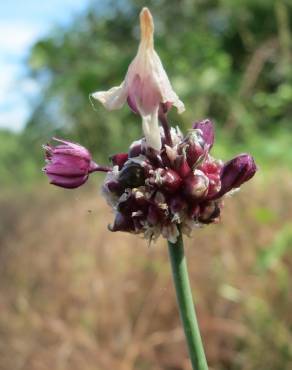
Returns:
<point x="145" y="87"/>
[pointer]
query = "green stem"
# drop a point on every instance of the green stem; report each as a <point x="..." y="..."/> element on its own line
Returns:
<point x="186" y="306"/>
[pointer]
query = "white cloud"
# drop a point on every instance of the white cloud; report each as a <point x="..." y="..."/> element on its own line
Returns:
<point x="20" y="26"/>
<point x="17" y="37"/>
<point x="15" y="40"/>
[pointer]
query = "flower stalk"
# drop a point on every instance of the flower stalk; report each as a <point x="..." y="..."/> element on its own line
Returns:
<point x="163" y="120"/>
<point x="186" y="305"/>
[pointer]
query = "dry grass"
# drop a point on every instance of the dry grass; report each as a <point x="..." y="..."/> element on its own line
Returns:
<point x="74" y="296"/>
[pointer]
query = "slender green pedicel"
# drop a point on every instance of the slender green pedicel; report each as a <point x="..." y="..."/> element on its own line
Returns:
<point x="186" y="305"/>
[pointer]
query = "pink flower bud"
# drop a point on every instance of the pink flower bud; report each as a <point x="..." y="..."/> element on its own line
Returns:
<point x="69" y="165"/>
<point x="235" y="172"/>
<point x="119" y="159"/>
<point x="195" y="185"/>
<point x="207" y="129"/>
<point x="166" y="179"/>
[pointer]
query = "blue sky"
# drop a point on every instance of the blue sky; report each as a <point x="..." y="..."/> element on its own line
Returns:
<point x="22" y="22"/>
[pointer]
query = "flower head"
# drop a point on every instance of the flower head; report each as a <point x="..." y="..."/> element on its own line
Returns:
<point x="155" y="193"/>
<point x="166" y="182"/>
<point x="146" y="85"/>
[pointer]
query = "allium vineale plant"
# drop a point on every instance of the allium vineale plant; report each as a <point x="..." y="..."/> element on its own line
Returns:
<point x="166" y="183"/>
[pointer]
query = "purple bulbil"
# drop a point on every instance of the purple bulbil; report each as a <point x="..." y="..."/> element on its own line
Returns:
<point x="236" y="172"/>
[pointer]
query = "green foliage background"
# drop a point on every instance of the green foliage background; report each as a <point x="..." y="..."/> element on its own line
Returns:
<point x="227" y="60"/>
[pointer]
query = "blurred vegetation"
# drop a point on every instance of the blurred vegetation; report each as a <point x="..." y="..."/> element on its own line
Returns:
<point x="74" y="296"/>
<point x="18" y="164"/>
<point x="228" y="60"/>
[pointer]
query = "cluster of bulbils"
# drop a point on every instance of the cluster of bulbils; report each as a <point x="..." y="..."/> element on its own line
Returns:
<point x="166" y="182"/>
<point x="154" y="193"/>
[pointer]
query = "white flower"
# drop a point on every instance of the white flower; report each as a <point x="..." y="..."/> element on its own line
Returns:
<point x="146" y="85"/>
